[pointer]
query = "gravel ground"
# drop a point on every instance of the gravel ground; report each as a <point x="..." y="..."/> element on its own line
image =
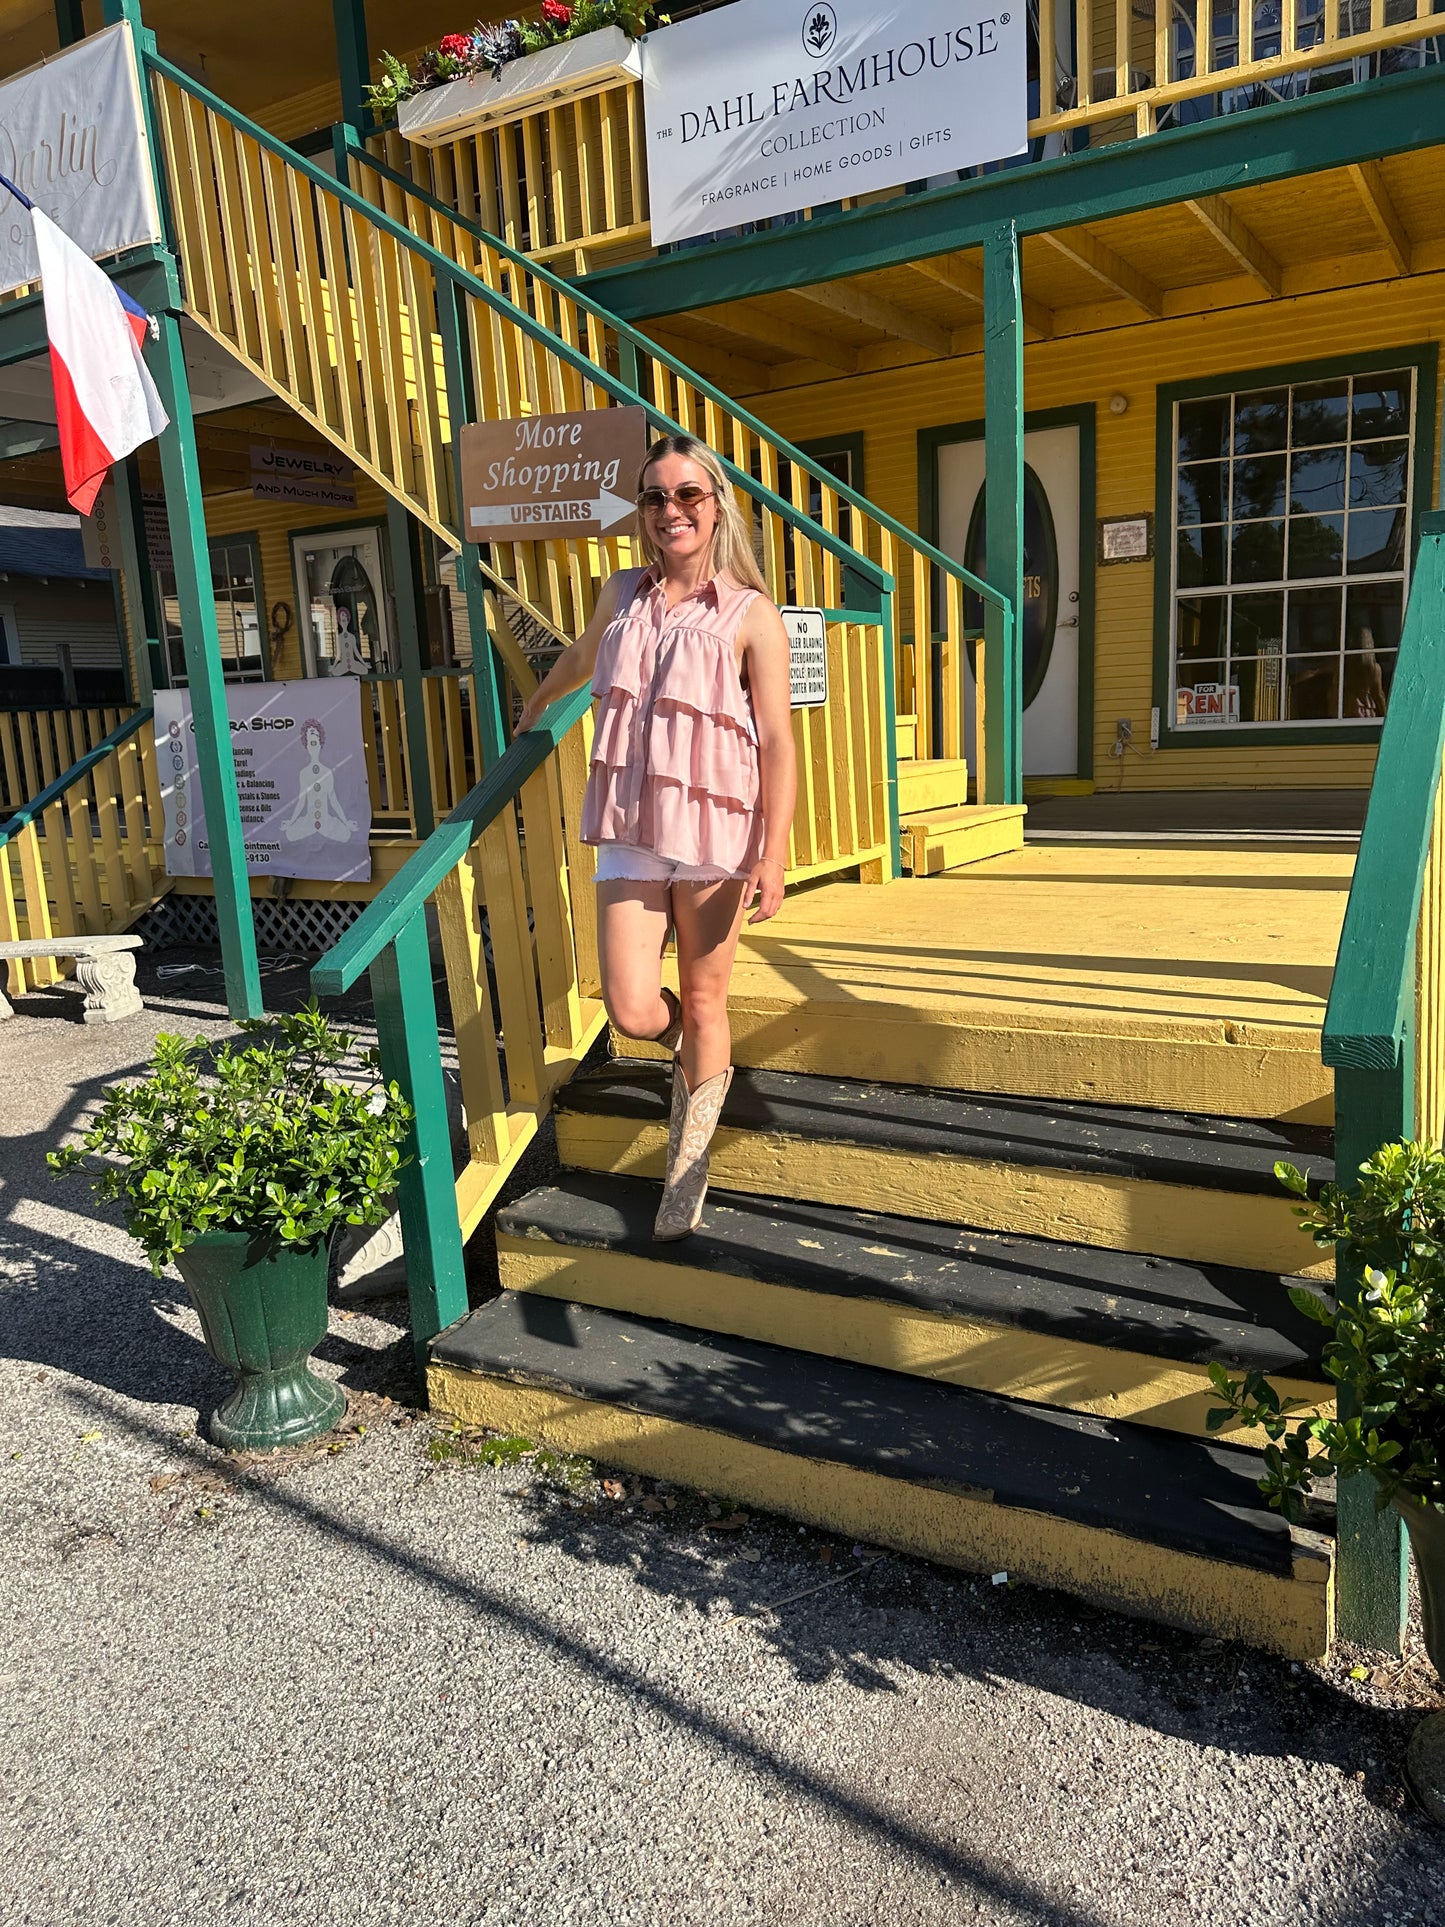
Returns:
<point x="387" y="1680"/>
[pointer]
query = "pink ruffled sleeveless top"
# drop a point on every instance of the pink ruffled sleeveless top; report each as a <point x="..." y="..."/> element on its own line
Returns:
<point x="675" y="753"/>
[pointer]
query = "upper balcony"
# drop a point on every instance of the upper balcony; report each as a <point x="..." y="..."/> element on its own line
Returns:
<point x="564" y="178"/>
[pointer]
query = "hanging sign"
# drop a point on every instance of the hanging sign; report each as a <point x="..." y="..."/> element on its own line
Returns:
<point x="807" y="656"/>
<point x="72" y="138"/>
<point x="300" y="779"/>
<point x="769" y="106"/>
<point x="281" y="473"/>
<point x="534" y="476"/>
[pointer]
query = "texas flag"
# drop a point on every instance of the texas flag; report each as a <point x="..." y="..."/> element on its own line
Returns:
<point x="105" y="401"/>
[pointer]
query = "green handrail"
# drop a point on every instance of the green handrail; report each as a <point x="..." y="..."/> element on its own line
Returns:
<point x="458" y="277"/>
<point x="393" y="907"/>
<point x="32" y="811"/>
<point x="635" y="339"/>
<point x="1371" y="1007"/>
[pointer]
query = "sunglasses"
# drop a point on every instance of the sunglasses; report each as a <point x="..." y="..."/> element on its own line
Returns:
<point x="691" y="495"/>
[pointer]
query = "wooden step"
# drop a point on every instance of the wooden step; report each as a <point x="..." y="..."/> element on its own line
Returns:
<point x="1103" y="1332"/>
<point x="1140" y="1521"/>
<point x="1201" y="1189"/>
<point x="932" y="784"/>
<point x="943" y="838"/>
<point x="1175" y="981"/>
<point x="905" y="736"/>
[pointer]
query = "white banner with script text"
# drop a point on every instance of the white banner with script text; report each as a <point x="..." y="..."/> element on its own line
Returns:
<point x="769" y="106"/>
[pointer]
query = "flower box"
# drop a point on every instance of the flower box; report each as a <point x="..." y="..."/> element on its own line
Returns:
<point x="569" y="71"/>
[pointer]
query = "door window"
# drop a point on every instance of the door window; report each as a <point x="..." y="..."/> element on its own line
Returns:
<point x="346" y="621"/>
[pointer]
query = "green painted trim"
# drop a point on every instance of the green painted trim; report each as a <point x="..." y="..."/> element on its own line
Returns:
<point x="400" y="900"/>
<point x="353" y="59"/>
<point x="849" y="443"/>
<point x="138" y="586"/>
<point x="406" y="589"/>
<point x="1003" y="400"/>
<point x="893" y="864"/>
<point x="1082" y="416"/>
<point x="181" y="473"/>
<point x="1424" y="359"/>
<point x="1371" y="1010"/>
<point x="630" y="338"/>
<point x="404" y="1003"/>
<point x="69" y="21"/>
<point x="32" y="811"/>
<point x="1372" y="1107"/>
<point x="1365" y="121"/>
<point x="147" y="274"/>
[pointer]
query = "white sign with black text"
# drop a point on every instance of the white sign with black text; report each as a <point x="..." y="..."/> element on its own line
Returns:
<point x="769" y="106"/>
<point x="300" y="778"/>
<point x="72" y="139"/>
<point x="807" y="656"/>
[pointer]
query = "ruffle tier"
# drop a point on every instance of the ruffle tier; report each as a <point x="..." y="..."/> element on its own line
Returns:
<point x="678" y="824"/>
<point x="699" y="752"/>
<point x="696" y="669"/>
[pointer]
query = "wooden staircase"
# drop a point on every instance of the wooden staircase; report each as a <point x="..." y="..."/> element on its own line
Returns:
<point x="952" y="1294"/>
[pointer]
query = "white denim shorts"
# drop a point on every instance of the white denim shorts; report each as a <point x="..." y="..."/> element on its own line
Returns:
<point x="626" y="863"/>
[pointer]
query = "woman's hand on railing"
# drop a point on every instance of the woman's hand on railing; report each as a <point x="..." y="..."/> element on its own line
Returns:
<point x="765" y="881"/>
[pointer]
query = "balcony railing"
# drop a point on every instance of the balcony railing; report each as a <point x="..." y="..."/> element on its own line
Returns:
<point x="567" y="184"/>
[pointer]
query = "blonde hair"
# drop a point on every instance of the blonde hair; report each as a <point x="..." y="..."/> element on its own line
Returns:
<point x="731" y="552"/>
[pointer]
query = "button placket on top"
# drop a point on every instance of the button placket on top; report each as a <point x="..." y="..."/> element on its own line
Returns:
<point x="661" y="623"/>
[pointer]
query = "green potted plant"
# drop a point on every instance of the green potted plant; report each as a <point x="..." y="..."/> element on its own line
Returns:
<point x="1387" y="1354"/>
<point x="239" y="1163"/>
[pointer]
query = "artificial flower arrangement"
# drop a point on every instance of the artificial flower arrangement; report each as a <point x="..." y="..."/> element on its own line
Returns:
<point x="491" y="44"/>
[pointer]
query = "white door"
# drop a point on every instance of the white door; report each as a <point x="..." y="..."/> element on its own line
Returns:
<point x="1051" y="582"/>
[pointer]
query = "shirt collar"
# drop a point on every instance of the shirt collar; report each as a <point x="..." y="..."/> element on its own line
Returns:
<point x="710" y="589"/>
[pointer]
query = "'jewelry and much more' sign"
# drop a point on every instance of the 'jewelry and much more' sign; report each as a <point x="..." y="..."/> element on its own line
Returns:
<point x="769" y="106"/>
<point x="300" y="777"/>
<point x="72" y="138"/>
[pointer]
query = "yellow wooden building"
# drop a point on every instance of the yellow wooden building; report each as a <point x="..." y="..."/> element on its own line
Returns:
<point x="995" y="1186"/>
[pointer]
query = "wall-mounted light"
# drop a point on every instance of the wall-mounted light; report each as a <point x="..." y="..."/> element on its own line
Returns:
<point x="1118" y="404"/>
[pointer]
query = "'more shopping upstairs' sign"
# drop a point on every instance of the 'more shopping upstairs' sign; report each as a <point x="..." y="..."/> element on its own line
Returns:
<point x="769" y="106"/>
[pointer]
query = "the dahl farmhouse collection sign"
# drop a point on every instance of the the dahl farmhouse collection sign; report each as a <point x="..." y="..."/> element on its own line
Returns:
<point x="72" y="138"/>
<point x="769" y="106"/>
<point x="532" y="477"/>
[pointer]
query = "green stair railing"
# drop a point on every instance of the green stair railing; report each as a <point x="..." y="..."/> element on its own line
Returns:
<point x="1384" y="1031"/>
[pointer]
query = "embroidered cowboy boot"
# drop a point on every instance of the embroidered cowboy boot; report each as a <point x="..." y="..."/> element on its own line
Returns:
<point x="694" y="1119"/>
<point x="671" y="1038"/>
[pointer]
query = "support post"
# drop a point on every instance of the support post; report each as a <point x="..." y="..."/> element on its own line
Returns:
<point x="353" y="60"/>
<point x="69" y="21"/>
<point x="1003" y="407"/>
<point x="406" y="1027"/>
<point x="138" y="586"/>
<point x="402" y="533"/>
<point x="1372" y="1594"/>
<point x="492" y="731"/>
<point x="181" y="473"/>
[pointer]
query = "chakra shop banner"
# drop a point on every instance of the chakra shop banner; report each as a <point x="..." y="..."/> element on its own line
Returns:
<point x="769" y="106"/>
<point x="300" y="777"/>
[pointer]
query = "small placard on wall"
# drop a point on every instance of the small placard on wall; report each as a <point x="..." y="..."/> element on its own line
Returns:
<point x="807" y="656"/>
<point x="1126" y="538"/>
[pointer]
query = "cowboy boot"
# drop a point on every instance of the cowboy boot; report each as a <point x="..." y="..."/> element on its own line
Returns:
<point x="694" y="1118"/>
<point x="671" y="1038"/>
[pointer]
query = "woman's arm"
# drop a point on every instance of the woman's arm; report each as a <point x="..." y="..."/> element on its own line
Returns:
<point x="765" y="658"/>
<point x="575" y="664"/>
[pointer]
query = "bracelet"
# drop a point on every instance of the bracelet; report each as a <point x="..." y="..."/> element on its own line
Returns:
<point x="773" y="859"/>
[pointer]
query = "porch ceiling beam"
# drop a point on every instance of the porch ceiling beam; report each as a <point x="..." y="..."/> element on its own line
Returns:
<point x="1237" y="240"/>
<point x="1369" y="180"/>
<point x="739" y="374"/>
<point x="965" y="279"/>
<point x="1396" y="114"/>
<point x="875" y="313"/>
<point x="1095" y="257"/>
<point x="803" y="344"/>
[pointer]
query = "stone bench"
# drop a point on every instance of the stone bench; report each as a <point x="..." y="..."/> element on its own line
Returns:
<point x="104" y="969"/>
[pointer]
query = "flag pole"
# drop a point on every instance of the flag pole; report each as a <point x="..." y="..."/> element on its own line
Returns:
<point x="24" y="199"/>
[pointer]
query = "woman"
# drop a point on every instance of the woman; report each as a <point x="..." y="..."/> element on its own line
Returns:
<point x="691" y="790"/>
<point x="317" y="812"/>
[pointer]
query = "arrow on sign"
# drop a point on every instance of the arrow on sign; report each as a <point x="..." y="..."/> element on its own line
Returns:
<point x="606" y="509"/>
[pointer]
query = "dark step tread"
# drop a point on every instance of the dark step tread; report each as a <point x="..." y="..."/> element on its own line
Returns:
<point x="1161" y="1488"/>
<point x="1165" y="1308"/>
<point x="1162" y="1147"/>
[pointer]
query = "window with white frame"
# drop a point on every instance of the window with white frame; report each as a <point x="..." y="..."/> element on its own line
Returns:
<point x="1291" y="526"/>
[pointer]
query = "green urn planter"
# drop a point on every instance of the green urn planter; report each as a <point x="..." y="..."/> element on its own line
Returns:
<point x="263" y="1311"/>
<point x="1425" y="1759"/>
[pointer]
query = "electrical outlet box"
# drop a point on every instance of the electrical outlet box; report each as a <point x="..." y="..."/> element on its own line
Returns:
<point x="1124" y="729"/>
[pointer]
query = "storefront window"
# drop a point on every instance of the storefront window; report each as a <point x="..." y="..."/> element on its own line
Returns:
<point x="1291" y="523"/>
<point x="238" y="618"/>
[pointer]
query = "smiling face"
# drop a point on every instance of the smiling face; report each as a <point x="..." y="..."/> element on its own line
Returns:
<point x="680" y="535"/>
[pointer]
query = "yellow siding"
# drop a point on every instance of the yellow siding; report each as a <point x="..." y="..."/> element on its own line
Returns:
<point x="891" y="407"/>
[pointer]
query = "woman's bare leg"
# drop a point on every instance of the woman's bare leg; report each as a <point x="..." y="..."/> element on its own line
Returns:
<point x="708" y="917"/>
<point x="632" y="920"/>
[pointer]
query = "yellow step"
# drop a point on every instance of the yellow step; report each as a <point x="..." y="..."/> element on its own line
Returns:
<point x="905" y="736"/>
<point x="933" y="784"/>
<point x="944" y="839"/>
